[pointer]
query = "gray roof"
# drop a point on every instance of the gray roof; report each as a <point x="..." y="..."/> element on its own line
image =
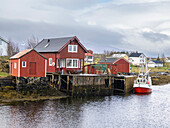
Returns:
<point x="52" y="45"/>
<point x="135" y="54"/>
<point x="157" y="61"/>
<point x="108" y="60"/>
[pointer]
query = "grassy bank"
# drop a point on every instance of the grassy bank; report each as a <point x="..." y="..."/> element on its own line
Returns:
<point x="135" y="69"/>
<point x="4" y="74"/>
<point x="11" y="94"/>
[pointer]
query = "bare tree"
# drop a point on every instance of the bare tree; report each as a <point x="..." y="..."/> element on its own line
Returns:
<point x="32" y="42"/>
<point x="12" y="48"/>
<point x="163" y="59"/>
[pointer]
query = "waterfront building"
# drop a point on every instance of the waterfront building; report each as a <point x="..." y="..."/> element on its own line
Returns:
<point x="28" y="63"/>
<point x="120" y="65"/>
<point x="155" y="63"/>
<point x="89" y="57"/>
<point x="3" y="47"/>
<point x="63" y="54"/>
<point x="137" y="59"/>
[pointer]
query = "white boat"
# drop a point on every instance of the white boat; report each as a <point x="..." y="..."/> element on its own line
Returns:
<point x="143" y="84"/>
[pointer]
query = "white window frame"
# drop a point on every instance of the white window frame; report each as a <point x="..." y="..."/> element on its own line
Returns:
<point x="72" y="48"/>
<point x="72" y="63"/>
<point x="62" y="63"/>
<point x="25" y="64"/>
<point x="50" y="59"/>
<point x="15" y="65"/>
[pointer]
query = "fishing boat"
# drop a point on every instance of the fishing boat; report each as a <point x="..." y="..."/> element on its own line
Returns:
<point x="143" y="83"/>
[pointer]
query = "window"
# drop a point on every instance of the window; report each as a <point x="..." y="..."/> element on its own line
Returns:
<point x="90" y="57"/>
<point x="62" y="63"/>
<point x="15" y="65"/>
<point x="72" y="63"/>
<point x="57" y="63"/>
<point x="23" y="63"/>
<point x="50" y="61"/>
<point x="72" y="48"/>
<point x="75" y="63"/>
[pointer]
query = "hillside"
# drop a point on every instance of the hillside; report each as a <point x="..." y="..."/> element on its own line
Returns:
<point x="4" y="66"/>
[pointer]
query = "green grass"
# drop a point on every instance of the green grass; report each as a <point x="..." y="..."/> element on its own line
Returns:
<point x="4" y="74"/>
<point x="4" y="58"/>
<point x="157" y="69"/>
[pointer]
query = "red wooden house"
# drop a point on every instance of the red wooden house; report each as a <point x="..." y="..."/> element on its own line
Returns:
<point x="28" y="63"/>
<point x="119" y="64"/>
<point x="65" y="54"/>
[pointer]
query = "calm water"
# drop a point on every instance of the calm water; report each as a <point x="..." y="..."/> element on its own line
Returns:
<point x="142" y="111"/>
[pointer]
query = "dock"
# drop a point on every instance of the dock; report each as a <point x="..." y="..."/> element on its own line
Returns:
<point x="78" y="85"/>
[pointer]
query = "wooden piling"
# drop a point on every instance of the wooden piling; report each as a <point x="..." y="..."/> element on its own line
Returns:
<point x="59" y="82"/>
<point x="68" y="83"/>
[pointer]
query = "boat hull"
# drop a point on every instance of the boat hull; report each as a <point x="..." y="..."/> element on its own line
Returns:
<point x="142" y="90"/>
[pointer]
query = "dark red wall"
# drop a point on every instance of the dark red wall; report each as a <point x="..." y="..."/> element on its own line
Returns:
<point x="49" y="55"/>
<point x="123" y="66"/>
<point x="24" y="71"/>
<point x="64" y="54"/>
<point x="40" y="64"/>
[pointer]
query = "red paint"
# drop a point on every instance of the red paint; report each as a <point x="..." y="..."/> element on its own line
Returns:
<point x="64" y="54"/>
<point x="142" y="90"/>
<point x="37" y="69"/>
<point x="120" y="65"/>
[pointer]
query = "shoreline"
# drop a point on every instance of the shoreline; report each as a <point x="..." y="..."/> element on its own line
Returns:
<point x="32" y="100"/>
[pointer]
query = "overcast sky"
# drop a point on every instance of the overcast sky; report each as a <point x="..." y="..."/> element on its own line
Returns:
<point x="131" y="25"/>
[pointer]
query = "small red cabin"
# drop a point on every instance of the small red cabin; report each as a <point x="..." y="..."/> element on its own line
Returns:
<point x="65" y="54"/>
<point x="101" y="69"/>
<point x="28" y="63"/>
<point x="120" y="65"/>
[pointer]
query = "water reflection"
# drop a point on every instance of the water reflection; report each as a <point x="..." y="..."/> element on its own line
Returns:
<point x="151" y="110"/>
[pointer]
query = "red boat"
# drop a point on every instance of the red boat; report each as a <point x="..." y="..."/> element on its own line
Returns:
<point x="143" y="84"/>
<point x="142" y="90"/>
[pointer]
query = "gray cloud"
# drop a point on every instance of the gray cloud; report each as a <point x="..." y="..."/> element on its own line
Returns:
<point x="155" y="37"/>
<point x="100" y="25"/>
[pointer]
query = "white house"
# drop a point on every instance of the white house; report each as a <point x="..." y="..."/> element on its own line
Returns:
<point x="155" y="63"/>
<point x="88" y="58"/>
<point x="167" y="60"/>
<point x="137" y="59"/>
<point x="3" y="47"/>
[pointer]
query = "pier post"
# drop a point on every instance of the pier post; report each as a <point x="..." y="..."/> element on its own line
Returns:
<point x="110" y="82"/>
<point x="68" y="83"/>
<point x="59" y="82"/>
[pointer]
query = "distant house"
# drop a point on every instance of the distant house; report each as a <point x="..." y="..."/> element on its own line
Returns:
<point x="120" y="64"/>
<point x="89" y="57"/>
<point x="155" y="63"/>
<point x="28" y="63"/>
<point x="167" y="59"/>
<point x="65" y="53"/>
<point x="3" y="47"/>
<point x="120" y="56"/>
<point x="137" y="59"/>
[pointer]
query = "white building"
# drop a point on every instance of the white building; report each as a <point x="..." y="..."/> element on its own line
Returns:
<point x="120" y="56"/>
<point x="155" y="63"/>
<point x="137" y="59"/>
<point x="88" y="58"/>
<point x="167" y="60"/>
<point x="3" y="47"/>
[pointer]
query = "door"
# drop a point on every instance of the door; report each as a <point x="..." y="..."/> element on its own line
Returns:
<point x="32" y="68"/>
